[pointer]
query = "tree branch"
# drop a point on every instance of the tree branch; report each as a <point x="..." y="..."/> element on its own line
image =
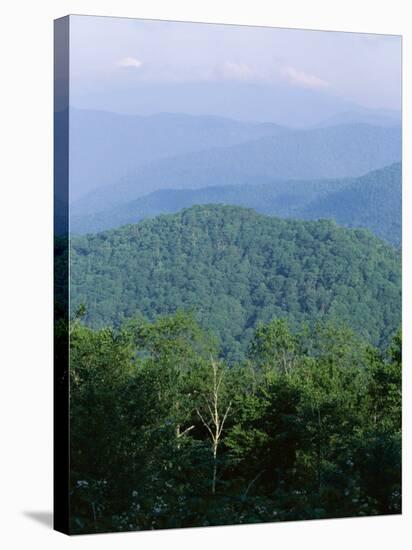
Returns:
<point x="187" y="430"/>
<point x="204" y="423"/>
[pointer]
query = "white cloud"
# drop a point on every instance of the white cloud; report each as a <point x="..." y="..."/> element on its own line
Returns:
<point x="303" y="79"/>
<point x="129" y="62"/>
<point x="236" y="71"/>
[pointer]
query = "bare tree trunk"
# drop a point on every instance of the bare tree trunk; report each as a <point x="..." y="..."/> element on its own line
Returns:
<point x="215" y="423"/>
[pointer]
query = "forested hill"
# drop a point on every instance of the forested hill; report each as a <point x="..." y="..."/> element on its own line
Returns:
<point x="235" y="268"/>
<point x="372" y="201"/>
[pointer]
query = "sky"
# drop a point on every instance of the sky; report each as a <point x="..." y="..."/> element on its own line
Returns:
<point x="147" y="66"/>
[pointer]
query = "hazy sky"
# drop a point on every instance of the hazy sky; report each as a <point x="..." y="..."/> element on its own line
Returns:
<point x="124" y="64"/>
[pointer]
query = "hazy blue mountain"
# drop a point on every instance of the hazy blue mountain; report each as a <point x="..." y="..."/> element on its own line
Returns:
<point x="335" y="152"/>
<point x="375" y="117"/>
<point x="106" y="146"/>
<point x="283" y="198"/>
<point x="372" y="201"/>
<point x="282" y="103"/>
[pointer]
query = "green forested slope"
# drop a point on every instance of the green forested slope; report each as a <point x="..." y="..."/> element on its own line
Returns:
<point x="235" y="268"/>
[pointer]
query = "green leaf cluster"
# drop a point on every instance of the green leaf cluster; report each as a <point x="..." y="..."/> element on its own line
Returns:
<point x="312" y="426"/>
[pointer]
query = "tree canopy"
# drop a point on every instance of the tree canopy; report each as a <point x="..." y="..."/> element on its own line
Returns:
<point x="235" y="268"/>
<point x="166" y="434"/>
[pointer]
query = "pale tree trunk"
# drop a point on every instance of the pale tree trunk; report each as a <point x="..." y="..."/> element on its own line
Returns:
<point x="179" y="432"/>
<point x="215" y="422"/>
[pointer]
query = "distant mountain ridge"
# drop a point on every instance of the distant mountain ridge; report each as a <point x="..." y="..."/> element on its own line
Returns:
<point x="333" y="152"/>
<point x="106" y="146"/>
<point x="284" y="103"/>
<point x="372" y="201"/>
<point x="374" y="117"/>
<point x="282" y="198"/>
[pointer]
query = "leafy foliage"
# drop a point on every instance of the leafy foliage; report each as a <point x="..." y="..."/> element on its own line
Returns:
<point x="311" y="426"/>
<point x="236" y="268"/>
